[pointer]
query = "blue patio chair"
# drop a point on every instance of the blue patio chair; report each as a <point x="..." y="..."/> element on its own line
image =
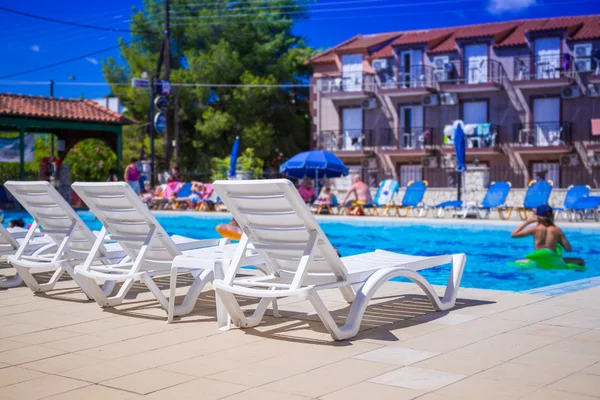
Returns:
<point x="413" y="199"/>
<point x="319" y="207"/>
<point x="574" y="194"/>
<point x="537" y="194"/>
<point x="183" y="195"/>
<point x="383" y="199"/>
<point x="494" y="199"/>
<point x="587" y="207"/>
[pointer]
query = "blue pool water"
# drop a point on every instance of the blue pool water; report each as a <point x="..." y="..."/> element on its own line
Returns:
<point x="489" y="249"/>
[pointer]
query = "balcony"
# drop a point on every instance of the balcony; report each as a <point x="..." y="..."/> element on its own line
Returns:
<point x="549" y="135"/>
<point x="543" y="71"/>
<point x="351" y="140"/>
<point x="415" y="139"/>
<point x="358" y="86"/>
<point x="479" y="138"/>
<point x="415" y="80"/>
<point x="464" y="77"/>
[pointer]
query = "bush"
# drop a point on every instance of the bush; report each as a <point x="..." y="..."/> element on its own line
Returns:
<point x="245" y="162"/>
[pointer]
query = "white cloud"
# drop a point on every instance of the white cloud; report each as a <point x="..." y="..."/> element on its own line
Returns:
<point x="92" y="60"/>
<point x="35" y="48"/>
<point x="501" y="6"/>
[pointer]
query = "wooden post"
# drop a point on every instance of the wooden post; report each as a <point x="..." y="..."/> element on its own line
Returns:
<point x="22" y="153"/>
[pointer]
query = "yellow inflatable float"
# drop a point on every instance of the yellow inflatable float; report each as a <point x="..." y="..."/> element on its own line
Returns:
<point x="229" y="231"/>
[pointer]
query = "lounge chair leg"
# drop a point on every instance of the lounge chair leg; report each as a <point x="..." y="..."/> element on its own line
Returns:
<point x="153" y="287"/>
<point x="238" y="317"/>
<point x="189" y="301"/>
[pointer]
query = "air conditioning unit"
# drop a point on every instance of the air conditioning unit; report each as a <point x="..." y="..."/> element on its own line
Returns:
<point x="380" y="64"/>
<point x="593" y="159"/>
<point x="583" y="57"/>
<point x="440" y="62"/>
<point x="441" y="68"/>
<point x="593" y="90"/>
<point x="570" y="92"/>
<point x="569" y="160"/>
<point x="429" y="162"/>
<point x="448" y="99"/>
<point x="369" y="104"/>
<point x="430" y="100"/>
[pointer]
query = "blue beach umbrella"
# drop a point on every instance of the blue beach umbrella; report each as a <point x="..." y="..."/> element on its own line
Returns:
<point x="314" y="164"/>
<point x="234" y="156"/>
<point x="460" y="148"/>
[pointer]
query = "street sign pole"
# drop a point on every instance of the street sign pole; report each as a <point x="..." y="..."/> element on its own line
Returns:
<point x="151" y="128"/>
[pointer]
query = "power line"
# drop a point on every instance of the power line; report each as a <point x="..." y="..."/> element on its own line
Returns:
<point x="60" y="62"/>
<point x="336" y="3"/>
<point x="58" y="21"/>
<point x="221" y="85"/>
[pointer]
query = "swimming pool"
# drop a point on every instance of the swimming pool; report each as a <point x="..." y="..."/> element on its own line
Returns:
<point x="489" y="248"/>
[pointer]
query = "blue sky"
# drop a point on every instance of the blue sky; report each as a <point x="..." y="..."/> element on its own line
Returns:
<point x="30" y="43"/>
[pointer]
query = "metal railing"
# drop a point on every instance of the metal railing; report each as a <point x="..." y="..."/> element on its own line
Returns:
<point x="471" y="72"/>
<point x="543" y="67"/>
<point x="543" y="134"/>
<point x="412" y="77"/>
<point x="346" y="140"/>
<point x="415" y="138"/>
<point x="348" y="84"/>
<point x="479" y="136"/>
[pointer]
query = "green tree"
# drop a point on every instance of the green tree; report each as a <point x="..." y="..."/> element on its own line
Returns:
<point x="91" y="160"/>
<point x="247" y="161"/>
<point x="226" y="42"/>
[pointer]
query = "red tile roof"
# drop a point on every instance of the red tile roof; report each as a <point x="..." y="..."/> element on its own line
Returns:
<point x="589" y="30"/>
<point x="486" y="30"/>
<point x="365" y="42"/>
<point x="52" y="108"/>
<point x="329" y="54"/>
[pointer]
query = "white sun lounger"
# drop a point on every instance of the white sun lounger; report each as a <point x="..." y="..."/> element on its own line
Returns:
<point x="288" y="238"/>
<point x="149" y="247"/>
<point x="54" y="217"/>
<point x="11" y="240"/>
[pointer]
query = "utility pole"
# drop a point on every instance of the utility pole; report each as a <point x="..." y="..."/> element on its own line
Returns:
<point x="167" y="61"/>
<point x="176" y="126"/>
<point x="52" y="134"/>
<point x="151" y="132"/>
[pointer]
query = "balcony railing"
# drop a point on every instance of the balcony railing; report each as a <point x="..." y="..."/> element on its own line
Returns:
<point x="346" y="140"/>
<point x="470" y="73"/>
<point x="477" y="136"/>
<point x="355" y="83"/>
<point x="415" y="138"/>
<point x="543" y="134"/>
<point x="543" y="67"/>
<point x="413" y="77"/>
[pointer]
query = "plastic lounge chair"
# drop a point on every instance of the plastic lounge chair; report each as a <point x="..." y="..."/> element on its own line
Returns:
<point x="587" y="207"/>
<point x="413" y="199"/>
<point x="282" y="229"/>
<point x="329" y="206"/>
<point x="206" y="203"/>
<point x="537" y="194"/>
<point x="384" y="198"/>
<point x="440" y="209"/>
<point x="574" y="194"/>
<point x="183" y="195"/>
<point x="150" y="249"/>
<point x="12" y="239"/>
<point x="494" y="199"/>
<point x="54" y="217"/>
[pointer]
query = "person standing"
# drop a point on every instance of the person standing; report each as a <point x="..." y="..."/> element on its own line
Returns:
<point x="132" y="176"/>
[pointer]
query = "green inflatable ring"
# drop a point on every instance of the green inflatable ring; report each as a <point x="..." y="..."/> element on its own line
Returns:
<point x="547" y="259"/>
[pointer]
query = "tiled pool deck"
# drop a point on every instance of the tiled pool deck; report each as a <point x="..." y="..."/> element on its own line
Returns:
<point x="494" y="345"/>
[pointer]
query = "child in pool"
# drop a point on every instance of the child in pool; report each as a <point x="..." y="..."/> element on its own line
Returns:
<point x="545" y="234"/>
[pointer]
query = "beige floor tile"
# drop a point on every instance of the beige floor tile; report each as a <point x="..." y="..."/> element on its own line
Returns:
<point x="550" y="394"/>
<point x="61" y="363"/>
<point x="444" y="318"/>
<point x="396" y="355"/>
<point x="579" y="319"/>
<point x="95" y="392"/>
<point x="368" y="390"/>
<point x="10" y="344"/>
<point x="417" y="378"/>
<point x="571" y="361"/>
<point x="586" y="384"/>
<point x="550" y="330"/>
<point x="2" y="365"/>
<point x="263" y="394"/>
<point x="533" y="313"/>
<point x="205" y="389"/>
<point x="204" y="365"/>
<point x="12" y="375"/>
<point x="397" y="332"/>
<point x="101" y="371"/>
<point x="454" y="362"/>
<point x="540" y="375"/>
<point x="28" y="354"/>
<point x="78" y="343"/>
<point x="439" y="341"/>
<point x="592" y="369"/>
<point x="50" y="319"/>
<point x="329" y="378"/>
<point x="46" y="336"/>
<point x="41" y="387"/>
<point x="506" y="346"/>
<point x="577" y="345"/>
<point x="17" y="329"/>
<point x="475" y="387"/>
<point x="108" y="324"/>
<point x="148" y="381"/>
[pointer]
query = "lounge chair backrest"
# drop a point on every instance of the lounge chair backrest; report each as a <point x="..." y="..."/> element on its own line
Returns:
<point x="128" y="221"/>
<point x="386" y="192"/>
<point x="209" y="190"/>
<point x="537" y="194"/>
<point x="496" y="194"/>
<point x="574" y="194"/>
<point x="54" y="216"/>
<point x="278" y="223"/>
<point x="8" y="244"/>
<point x="172" y="187"/>
<point x="414" y="193"/>
<point x="185" y="190"/>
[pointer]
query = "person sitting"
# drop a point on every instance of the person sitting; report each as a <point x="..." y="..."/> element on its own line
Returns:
<point x="307" y="191"/>
<point x="362" y="194"/>
<point x="326" y="195"/>
<point x="16" y="223"/>
<point x="146" y="197"/>
<point x="198" y="192"/>
<point x="545" y="234"/>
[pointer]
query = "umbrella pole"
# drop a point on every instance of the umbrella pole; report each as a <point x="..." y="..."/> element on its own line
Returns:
<point x="316" y="184"/>
<point x="459" y="184"/>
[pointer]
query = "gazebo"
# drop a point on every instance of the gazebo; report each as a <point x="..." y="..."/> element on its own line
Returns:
<point x="70" y="120"/>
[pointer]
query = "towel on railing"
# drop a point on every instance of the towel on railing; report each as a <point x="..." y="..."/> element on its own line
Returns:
<point x="595" y="127"/>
